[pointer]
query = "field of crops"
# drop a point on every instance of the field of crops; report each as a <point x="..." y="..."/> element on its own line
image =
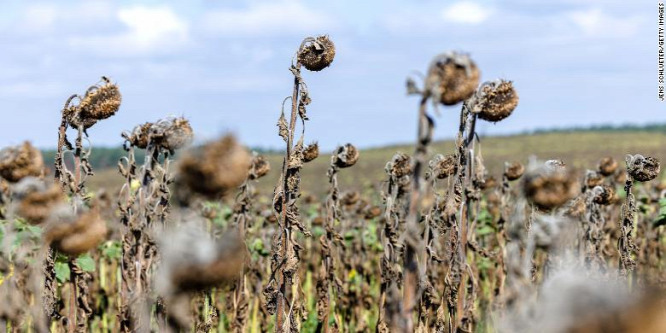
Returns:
<point x="549" y="232"/>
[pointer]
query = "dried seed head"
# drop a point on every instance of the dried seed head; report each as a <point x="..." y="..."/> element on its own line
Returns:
<point x="488" y="183"/>
<point x="350" y="198"/>
<point x="399" y="166"/>
<point x="269" y="215"/>
<point x="443" y="166"/>
<point x="100" y="102"/>
<point x="620" y="177"/>
<point x="513" y="170"/>
<point x="216" y="168"/>
<point x="607" y="166"/>
<point x="192" y="261"/>
<point x="593" y="178"/>
<point x="311" y="152"/>
<point x="604" y="195"/>
<point x="318" y="220"/>
<point x="140" y="136"/>
<point x="209" y="212"/>
<point x="345" y="156"/>
<point x="371" y="212"/>
<point x="661" y="186"/>
<point x="74" y="234"/>
<point x="21" y="161"/>
<point x="642" y="169"/>
<point x="548" y="187"/>
<point x="495" y="100"/>
<point x="555" y="164"/>
<point x="453" y="77"/>
<point x="36" y="199"/>
<point x="316" y="53"/>
<point x="308" y="199"/>
<point x="171" y="133"/>
<point x="259" y="167"/>
<point x="576" y="207"/>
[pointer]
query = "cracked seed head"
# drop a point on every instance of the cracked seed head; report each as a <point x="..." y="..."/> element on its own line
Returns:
<point x="453" y="77"/>
<point x="345" y="156"/>
<point x="21" y="161"/>
<point x="641" y="168"/>
<point x="316" y="53"/>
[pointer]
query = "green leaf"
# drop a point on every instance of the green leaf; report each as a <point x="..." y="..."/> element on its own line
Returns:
<point x="62" y="272"/>
<point x="350" y="235"/>
<point x="317" y="231"/>
<point x="35" y="230"/>
<point x="86" y="263"/>
<point x="112" y="250"/>
<point x="485" y="230"/>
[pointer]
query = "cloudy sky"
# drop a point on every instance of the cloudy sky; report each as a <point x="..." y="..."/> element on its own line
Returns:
<point x="225" y="66"/>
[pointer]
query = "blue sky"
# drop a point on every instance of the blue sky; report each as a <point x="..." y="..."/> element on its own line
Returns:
<point x="224" y="65"/>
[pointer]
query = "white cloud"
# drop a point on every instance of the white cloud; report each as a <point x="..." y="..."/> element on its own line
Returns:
<point x="149" y="30"/>
<point x="152" y="25"/>
<point x="466" y="12"/>
<point x="594" y="22"/>
<point x="44" y="18"/>
<point x="266" y="19"/>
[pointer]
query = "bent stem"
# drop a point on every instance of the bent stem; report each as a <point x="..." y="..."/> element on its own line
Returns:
<point x="414" y="242"/>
